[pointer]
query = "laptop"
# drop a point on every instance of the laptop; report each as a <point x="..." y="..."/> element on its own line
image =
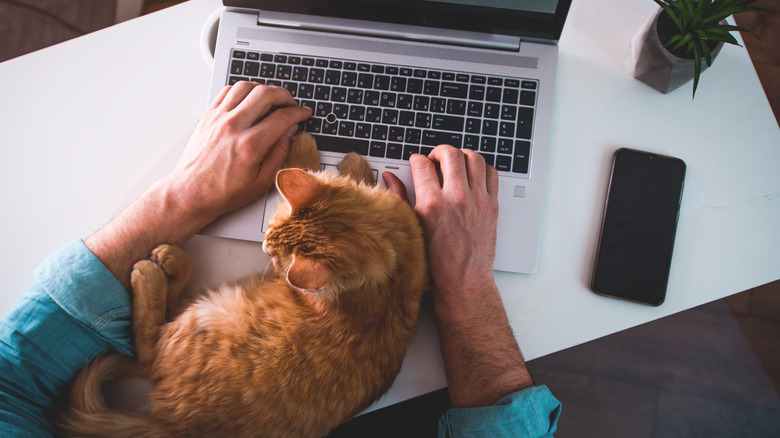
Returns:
<point x="389" y="78"/>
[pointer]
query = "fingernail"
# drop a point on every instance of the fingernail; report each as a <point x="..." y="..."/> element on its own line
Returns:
<point x="293" y="129"/>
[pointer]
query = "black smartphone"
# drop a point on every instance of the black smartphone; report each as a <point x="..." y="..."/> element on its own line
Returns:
<point x="634" y="254"/>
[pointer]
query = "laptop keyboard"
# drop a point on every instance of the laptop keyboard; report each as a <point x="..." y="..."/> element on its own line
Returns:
<point x="391" y="111"/>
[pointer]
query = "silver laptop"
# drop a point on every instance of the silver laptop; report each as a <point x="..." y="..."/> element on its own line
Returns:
<point x="389" y="78"/>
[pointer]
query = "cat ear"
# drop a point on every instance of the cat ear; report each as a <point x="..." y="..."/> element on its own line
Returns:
<point x="297" y="186"/>
<point x="308" y="275"/>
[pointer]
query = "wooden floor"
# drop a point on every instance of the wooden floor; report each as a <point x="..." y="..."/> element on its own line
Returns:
<point x="712" y="371"/>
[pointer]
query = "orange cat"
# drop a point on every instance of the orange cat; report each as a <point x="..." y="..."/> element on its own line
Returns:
<point x="294" y="356"/>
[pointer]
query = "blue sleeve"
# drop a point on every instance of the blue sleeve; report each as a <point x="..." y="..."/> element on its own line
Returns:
<point x="532" y="412"/>
<point x="75" y="311"/>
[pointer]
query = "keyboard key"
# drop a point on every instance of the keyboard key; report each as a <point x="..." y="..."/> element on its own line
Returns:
<point x="414" y="86"/>
<point x="371" y="98"/>
<point x="504" y="163"/>
<point x="338" y="94"/>
<point x="331" y="128"/>
<point x="527" y="98"/>
<point x="475" y="79"/>
<point x="448" y="123"/>
<point x="379" y="132"/>
<point x="493" y="94"/>
<point x="346" y="129"/>
<point x="475" y="109"/>
<point x="239" y="54"/>
<point x="333" y="77"/>
<point x="363" y="130"/>
<point x="423" y="120"/>
<point x="237" y="67"/>
<point x="531" y="85"/>
<point x="300" y="74"/>
<point x="506" y="129"/>
<point x="373" y="114"/>
<point x="431" y="88"/>
<point x="316" y="75"/>
<point x="394" y="150"/>
<point x="357" y="113"/>
<point x="438" y="104"/>
<point x="492" y="110"/>
<point x="488" y="158"/>
<point x="349" y="79"/>
<point x="341" y="110"/>
<point x="396" y="134"/>
<point x="435" y="138"/>
<point x="266" y="57"/>
<point x="235" y="79"/>
<point x="505" y="146"/>
<point x="489" y="127"/>
<point x="365" y="80"/>
<point x="404" y="101"/>
<point x="513" y="83"/>
<point x="453" y="89"/>
<point x="456" y="106"/>
<point x="522" y="149"/>
<point x="251" y="68"/>
<point x="322" y="92"/>
<point x="406" y="118"/>
<point x="355" y="96"/>
<point x="477" y="92"/>
<point x="381" y="82"/>
<point x="390" y="117"/>
<point x="306" y="91"/>
<point x="398" y="84"/>
<point x="413" y="136"/>
<point x="343" y="145"/>
<point x="487" y="144"/>
<point x="377" y="149"/>
<point x="525" y="119"/>
<point x="422" y="103"/>
<point x="387" y="100"/>
<point x="495" y="81"/>
<point x="510" y="95"/>
<point x="409" y="150"/>
<point x="472" y="142"/>
<point x="284" y="72"/>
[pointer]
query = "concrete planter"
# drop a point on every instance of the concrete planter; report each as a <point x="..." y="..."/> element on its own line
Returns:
<point x="656" y="66"/>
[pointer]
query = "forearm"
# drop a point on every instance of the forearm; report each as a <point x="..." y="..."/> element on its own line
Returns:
<point x="158" y="216"/>
<point x="481" y="356"/>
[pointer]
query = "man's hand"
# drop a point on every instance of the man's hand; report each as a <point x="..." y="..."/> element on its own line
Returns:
<point x="231" y="159"/>
<point x="238" y="146"/>
<point x="457" y="203"/>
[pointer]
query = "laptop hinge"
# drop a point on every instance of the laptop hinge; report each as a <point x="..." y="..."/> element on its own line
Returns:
<point x="388" y="30"/>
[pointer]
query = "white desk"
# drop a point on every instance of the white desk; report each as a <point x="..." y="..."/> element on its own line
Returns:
<point x="87" y="125"/>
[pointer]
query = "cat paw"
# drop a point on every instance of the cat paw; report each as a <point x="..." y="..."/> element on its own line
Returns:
<point x="357" y="168"/>
<point x="147" y="276"/>
<point x="303" y="153"/>
<point x="173" y="260"/>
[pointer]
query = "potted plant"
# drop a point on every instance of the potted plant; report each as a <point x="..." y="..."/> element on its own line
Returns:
<point x="668" y="51"/>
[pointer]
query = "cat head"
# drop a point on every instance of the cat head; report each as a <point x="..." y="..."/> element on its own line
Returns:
<point x="331" y="234"/>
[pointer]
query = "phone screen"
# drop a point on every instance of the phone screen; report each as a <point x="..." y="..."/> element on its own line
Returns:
<point x="640" y="221"/>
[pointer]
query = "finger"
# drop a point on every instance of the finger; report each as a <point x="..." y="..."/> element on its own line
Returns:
<point x="220" y="97"/>
<point x="475" y="168"/>
<point x="260" y="101"/>
<point x="452" y="164"/>
<point x="271" y="163"/>
<point x="491" y="182"/>
<point x="395" y="185"/>
<point x="236" y="94"/>
<point x="274" y="126"/>
<point x="424" y="176"/>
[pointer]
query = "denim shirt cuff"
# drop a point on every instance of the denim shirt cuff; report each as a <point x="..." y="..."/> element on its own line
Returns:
<point x="102" y="304"/>
<point x="531" y="412"/>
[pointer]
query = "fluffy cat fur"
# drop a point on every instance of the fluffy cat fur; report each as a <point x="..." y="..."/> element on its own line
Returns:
<point x="295" y="355"/>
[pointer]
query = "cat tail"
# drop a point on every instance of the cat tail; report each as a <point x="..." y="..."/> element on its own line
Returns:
<point x="88" y="415"/>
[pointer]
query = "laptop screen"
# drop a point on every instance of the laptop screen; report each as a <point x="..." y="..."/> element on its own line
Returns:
<point x="535" y="19"/>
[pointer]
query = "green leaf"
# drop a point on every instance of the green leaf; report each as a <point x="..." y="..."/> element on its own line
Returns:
<point x="696" y="70"/>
